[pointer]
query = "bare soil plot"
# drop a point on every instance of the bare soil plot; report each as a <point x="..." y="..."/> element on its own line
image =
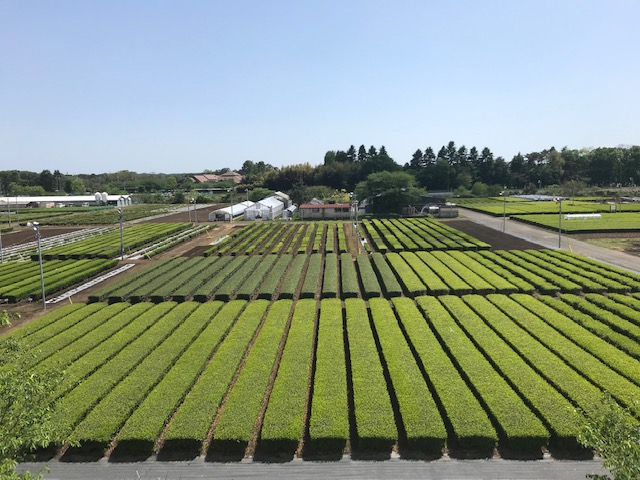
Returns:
<point x="495" y="238"/>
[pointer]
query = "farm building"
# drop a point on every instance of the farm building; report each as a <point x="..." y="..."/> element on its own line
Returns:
<point x="311" y="211"/>
<point x="11" y="203"/>
<point x="227" y="213"/>
<point x="268" y="208"/>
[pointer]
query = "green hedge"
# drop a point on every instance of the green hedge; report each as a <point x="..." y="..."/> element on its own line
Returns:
<point x="76" y="403"/>
<point x="348" y="277"/>
<point x="370" y="284"/>
<point x="602" y="330"/>
<point x="100" y="425"/>
<point x="413" y="286"/>
<point x="312" y="277"/>
<point x="375" y="424"/>
<point x="522" y="430"/>
<point x="289" y="287"/>
<point x="387" y="278"/>
<point x="607" y="353"/>
<point x="329" y="422"/>
<point x="330" y="278"/>
<point x="234" y="429"/>
<point x="556" y="411"/>
<point x="284" y="420"/>
<point x="422" y="426"/>
<point x="146" y="422"/>
<point x="470" y="424"/>
<point x="138" y="318"/>
<point x="589" y="366"/>
<point x="192" y="422"/>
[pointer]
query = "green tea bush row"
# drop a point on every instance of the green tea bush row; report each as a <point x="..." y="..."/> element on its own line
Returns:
<point x="101" y="423"/>
<point x="413" y="286"/>
<point x="348" y="277"/>
<point x="75" y="404"/>
<point x="330" y="278"/>
<point x="602" y="349"/>
<point x="192" y="422"/>
<point x="421" y="419"/>
<point x="284" y="419"/>
<point x="548" y="404"/>
<point x="585" y="363"/>
<point x="602" y="330"/>
<point x="522" y="430"/>
<point x="388" y="279"/>
<point x="148" y="420"/>
<point x="373" y="413"/>
<point x="234" y="428"/>
<point x="290" y="284"/>
<point x="329" y="422"/>
<point x="370" y="285"/>
<point x="470" y="424"/>
<point x="140" y="318"/>
<point x="614" y="321"/>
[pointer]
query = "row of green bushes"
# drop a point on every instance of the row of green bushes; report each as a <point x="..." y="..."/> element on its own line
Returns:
<point x="107" y="245"/>
<point x="192" y="422"/>
<point x="57" y="277"/>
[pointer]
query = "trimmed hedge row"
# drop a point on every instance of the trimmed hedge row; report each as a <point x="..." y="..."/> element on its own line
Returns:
<point x="375" y="424"/>
<point x="284" y="419"/>
<point x="140" y="318"/>
<point x="268" y="288"/>
<point x="449" y="277"/>
<point x="289" y="286"/>
<point x="330" y="278"/>
<point x="100" y="425"/>
<point x="447" y="266"/>
<point x="74" y="405"/>
<point x="557" y="412"/>
<point x="388" y="279"/>
<point x="434" y="284"/>
<point x="87" y="326"/>
<point x="585" y="363"/>
<point x="207" y="289"/>
<point x="370" y="285"/>
<point x="191" y="423"/>
<point x="520" y="283"/>
<point x="253" y="268"/>
<point x="312" y="277"/>
<point x="147" y="421"/>
<point x="422" y="426"/>
<point x="56" y="278"/>
<point x="560" y="375"/>
<point x="413" y="286"/>
<point x="348" y="276"/>
<point x="499" y="283"/>
<point x="522" y="430"/>
<point x="602" y="330"/>
<point x="235" y="425"/>
<point x="511" y="269"/>
<point x="621" y="325"/>
<point x="471" y="427"/>
<point x="329" y="422"/>
<point x="602" y="349"/>
<point x="563" y="284"/>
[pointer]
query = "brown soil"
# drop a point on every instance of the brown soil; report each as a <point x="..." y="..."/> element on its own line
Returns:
<point x="26" y="234"/>
<point x="202" y="215"/>
<point x="497" y="239"/>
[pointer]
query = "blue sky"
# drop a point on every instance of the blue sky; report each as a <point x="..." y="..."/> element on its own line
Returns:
<point x="182" y="86"/>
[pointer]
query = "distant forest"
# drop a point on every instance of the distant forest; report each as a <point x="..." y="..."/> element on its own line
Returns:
<point x="450" y="168"/>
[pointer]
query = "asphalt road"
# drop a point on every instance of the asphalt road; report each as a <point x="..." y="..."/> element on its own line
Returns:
<point x="550" y="239"/>
<point x="443" y="469"/>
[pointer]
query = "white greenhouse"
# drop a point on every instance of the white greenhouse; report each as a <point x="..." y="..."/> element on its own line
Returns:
<point x="268" y="208"/>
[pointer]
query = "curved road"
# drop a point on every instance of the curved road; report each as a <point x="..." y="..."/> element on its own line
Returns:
<point x="550" y="239"/>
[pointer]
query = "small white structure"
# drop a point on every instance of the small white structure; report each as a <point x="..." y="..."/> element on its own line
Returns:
<point x="582" y="216"/>
<point x="289" y="212"/>
<point x="227" y="213"/>
<point x="268" y="208"/>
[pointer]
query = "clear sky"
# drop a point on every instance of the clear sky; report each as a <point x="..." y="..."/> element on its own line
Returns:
<point x="182" y="86"/>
